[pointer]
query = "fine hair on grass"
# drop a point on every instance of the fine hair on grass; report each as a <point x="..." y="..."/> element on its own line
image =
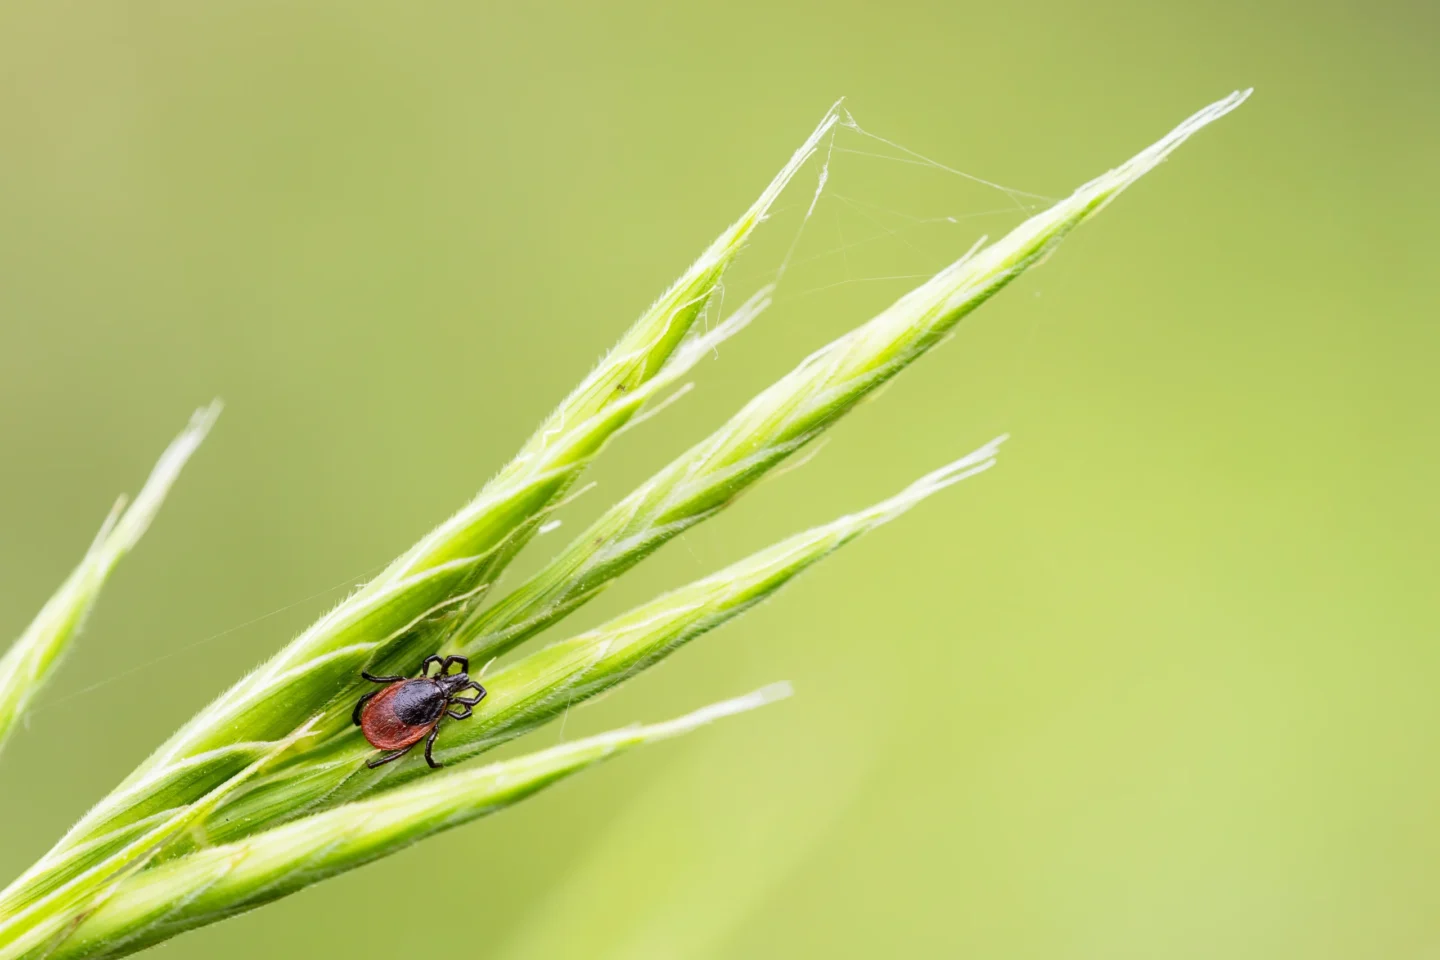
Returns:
<point x="268" y="789"/>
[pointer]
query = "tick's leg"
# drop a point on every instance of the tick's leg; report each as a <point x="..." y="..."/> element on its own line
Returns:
<point x="360" y="706"/>
<point x="433" y="658"/>
<point x="430" y="745"/>
<point x="461" y="714"/>
<point x="463" y="661"/>
<point x="374" y="679"/>
<point x="470" y="701"/>
<point x="388" y="757"/>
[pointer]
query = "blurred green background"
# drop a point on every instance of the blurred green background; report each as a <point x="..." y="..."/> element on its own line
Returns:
<point x="1162" y="684"/>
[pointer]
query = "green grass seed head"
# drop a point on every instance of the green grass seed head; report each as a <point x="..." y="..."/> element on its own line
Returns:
<point x="266" y="790"/>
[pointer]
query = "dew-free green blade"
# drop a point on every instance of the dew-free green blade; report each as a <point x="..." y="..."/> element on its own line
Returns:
<point x="223" y="881"/>
<point x="31" y="660"/>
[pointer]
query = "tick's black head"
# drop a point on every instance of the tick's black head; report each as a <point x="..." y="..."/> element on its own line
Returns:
<point x="453" y="683"/>
<point x="452" y="675"/>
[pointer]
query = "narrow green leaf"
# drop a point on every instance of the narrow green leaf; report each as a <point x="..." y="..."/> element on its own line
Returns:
<point x="224" y="881"/>
<point x="30" y="661"/>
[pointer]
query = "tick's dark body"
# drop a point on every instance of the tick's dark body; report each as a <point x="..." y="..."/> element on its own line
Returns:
<point x="408" y="709"/>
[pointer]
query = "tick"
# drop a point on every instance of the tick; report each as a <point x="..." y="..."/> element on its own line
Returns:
<point x="401" y="715"/>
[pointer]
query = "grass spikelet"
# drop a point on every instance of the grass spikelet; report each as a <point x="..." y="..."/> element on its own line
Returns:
<point x="31" y="660"/>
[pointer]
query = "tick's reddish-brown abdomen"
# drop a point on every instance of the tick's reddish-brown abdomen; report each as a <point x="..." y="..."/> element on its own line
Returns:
<point x="383" y="728"/>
